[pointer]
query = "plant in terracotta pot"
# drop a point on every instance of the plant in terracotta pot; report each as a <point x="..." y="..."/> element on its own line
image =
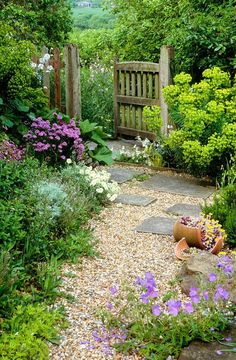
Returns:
<point x="204" y="233"/>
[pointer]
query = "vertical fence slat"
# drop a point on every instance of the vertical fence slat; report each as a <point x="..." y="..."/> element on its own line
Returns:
<point x="139" y="92"/>
<point x="127" y="83"/>
<point x="150" y="85"/>
<point x="144" y="85"/>
<point x="122" y="92"/>
<point x="133" y="82"/>
<point x="156" y="86"/>
<point x="116" y="105"/>
<point x="72" y="79"/>
<point x="57" y="77"/>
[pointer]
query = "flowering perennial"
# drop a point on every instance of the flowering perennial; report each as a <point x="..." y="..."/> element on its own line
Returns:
<point x="10" y="151"/>
<point x="99" y="180"/>
<point x="56" y="141"/>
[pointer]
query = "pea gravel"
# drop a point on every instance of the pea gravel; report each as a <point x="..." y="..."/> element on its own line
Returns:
<point x="123" y="255"/>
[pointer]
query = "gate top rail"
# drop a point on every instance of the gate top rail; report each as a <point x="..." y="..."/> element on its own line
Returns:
<point x="138" y="66"/>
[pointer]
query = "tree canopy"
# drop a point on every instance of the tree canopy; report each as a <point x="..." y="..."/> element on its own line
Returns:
<point x="43" y="22"/>
<point x="203" y="32"/>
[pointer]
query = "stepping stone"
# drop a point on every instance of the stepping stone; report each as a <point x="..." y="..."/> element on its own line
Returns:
<point x="184" y="210"/>
<point x="157" y="225"/>
<point x="177" y="185"/>
<point x="121" y="175"/>
<point x="137" y="200"/>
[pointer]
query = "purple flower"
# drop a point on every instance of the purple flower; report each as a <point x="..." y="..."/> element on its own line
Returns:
<point x="219" y="352"/>
<point x="228" y="339"/>
<point x="188" y="308"/>
<point x="205" y="295"/>
<point x="113" y="290"/>
<point x="174" y="306"/>
<point x="193" y="293"/>
<point x="144" y="298"/>
<point x="97" y="336"/>
<point x="221" y="293"/>
<point x="147" y="282"/>
<point x="228" y="269"/>
<point x="109" y="306"/>
<point x="212" y="277"/>
<point x="156" y="310"/>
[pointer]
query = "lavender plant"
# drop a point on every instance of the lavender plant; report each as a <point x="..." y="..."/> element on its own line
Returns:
<point x="158" y="327"/>
<point x="57" y="141"/>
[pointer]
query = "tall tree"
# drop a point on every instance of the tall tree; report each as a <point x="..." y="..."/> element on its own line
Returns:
<point x="44" y="22"/>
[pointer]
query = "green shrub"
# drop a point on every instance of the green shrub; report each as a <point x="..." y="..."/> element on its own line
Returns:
<point x="23" y="336"/>
<point x="204" y="115"/>
<point x="223" y="209"/>
<point x="97" y="96"/>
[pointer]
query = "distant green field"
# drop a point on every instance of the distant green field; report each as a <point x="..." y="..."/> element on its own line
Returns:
<point x="88" y="11"/>
<point x="92" y="18"/>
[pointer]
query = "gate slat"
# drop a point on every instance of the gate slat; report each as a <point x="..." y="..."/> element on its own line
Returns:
<point x="144" y="85"/>
<point x="139" y="93"/>
<point x="133" y="82"/>
<point x="150" y="85"/>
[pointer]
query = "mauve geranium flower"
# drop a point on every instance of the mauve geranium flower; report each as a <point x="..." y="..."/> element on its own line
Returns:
<point x="205" y="295"/>
<point x="156" y="310"/>
<point x="188" y="308"/>
<point x="212" y="277"/>
<point x="228" y="269"/>
<point x="174" y="307"/>
<point x="221" y="293"/>
<point x="113" y="290"/>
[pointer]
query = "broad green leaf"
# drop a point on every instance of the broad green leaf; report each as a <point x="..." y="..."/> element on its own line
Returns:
<point x="87" y="127"/>
<point x="1" y="101"/>
<point x="97" y="139"/>
<point x="6" y="121"/>
<point x="20" y="106"/>
<point x="101" y="133"/>
<point x="103" y="155"/>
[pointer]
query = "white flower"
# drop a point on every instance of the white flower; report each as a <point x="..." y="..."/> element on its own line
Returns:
<point x="45" y="58"/>
<point x="49" y="68"/>
<point x="68" y="161"/>
<point x="99" y="190"/>
<point x="40" y="66"/>
<point x="33" y="65"/>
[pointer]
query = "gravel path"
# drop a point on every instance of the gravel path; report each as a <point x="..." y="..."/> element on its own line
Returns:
<point x="124" y="255"/>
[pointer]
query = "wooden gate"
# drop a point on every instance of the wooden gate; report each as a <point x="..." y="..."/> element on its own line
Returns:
<point x="139" y="84"/>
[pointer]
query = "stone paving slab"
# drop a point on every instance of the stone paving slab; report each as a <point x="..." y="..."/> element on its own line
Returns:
<point x="157" y="225"/>
<point x="177" y="185"/>
<point x="184" y="210"/>
<point x="138" y="200"/>
<point x="121" y="175"/>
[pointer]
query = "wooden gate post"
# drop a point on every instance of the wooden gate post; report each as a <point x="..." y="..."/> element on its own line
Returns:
<point x="166" y="55"/>
<point x="72" y="79"/>
<point x="57" y="77"/>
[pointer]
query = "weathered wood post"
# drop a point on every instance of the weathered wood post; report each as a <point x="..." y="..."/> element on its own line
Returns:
<point x="46" y="75"/>
<point x="72" y="81"/>
<point x="166" y="55"/>
<point x="57" y="77"/>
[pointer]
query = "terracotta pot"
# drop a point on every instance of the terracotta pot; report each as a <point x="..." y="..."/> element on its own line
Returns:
<point x="192" y="235"/>
<point x="179" y="250"/>
<point x="218" y="246"/>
